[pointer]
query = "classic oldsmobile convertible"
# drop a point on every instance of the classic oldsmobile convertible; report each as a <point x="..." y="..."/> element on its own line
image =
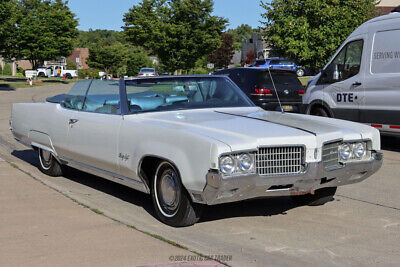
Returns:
<point x="194" y="140"/>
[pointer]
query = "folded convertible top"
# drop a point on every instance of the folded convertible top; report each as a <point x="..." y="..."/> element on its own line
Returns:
<point x="56" y="99"/>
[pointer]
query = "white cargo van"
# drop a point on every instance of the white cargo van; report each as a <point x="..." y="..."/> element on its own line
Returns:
<point x="362" y="81"/>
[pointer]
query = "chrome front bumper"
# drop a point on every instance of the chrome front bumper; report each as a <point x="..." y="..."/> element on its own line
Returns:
<point x="223" y="190"/>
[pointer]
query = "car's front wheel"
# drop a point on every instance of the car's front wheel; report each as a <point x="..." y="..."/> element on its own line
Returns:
<point x="171" y="201"/>
<point x="320" y="197"/>
<point x="48" y="163"/>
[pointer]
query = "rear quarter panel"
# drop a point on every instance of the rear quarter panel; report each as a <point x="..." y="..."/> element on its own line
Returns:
<point x="37" y="124"/>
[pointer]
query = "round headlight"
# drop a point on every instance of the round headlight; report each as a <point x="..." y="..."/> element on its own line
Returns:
<point x="345" y="152"/>
<point x="245" y="162"/>
<point x="359" y="150"/>
<point x="227" y="165"/>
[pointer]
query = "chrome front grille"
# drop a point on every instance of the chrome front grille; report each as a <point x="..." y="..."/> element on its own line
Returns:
<point x="330" y="155"/>
<point x="273" y="161"/>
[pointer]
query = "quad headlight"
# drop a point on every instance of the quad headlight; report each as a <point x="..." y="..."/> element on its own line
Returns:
<point x="359" y="150"/>
<point x="236" y="164"/>
<point x="345" y="151"/>
<point x="227" y="165"/>
<point x="353" y="151"/>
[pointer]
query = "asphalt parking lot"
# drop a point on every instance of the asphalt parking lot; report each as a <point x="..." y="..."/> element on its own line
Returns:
<point x="361" y="226"/>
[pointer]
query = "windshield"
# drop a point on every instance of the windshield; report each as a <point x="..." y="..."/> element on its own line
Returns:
<point x="179" y="93"/>
<point x="147" y="70"/>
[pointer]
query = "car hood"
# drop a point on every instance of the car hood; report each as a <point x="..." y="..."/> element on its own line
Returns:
<point x="249" y="128"/>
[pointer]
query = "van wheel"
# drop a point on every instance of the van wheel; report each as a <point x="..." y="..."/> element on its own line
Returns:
<point x="171" y="201"/>
<point x="319" y="112"/>
<point x="300" y="72"/>
<point x="48" y="164"/>
<point x="68" y="76"/>
<point x="320" y="197"/>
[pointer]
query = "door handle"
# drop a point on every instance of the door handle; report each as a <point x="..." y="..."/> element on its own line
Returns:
<point x="357" y="84"/>
<point x="72" y="121"/>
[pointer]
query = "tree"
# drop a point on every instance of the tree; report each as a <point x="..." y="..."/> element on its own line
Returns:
<point x="107" y="58"/>
<point x="241" y="34"/>
<point x="178" y="32"/>
<point x="7" y="23"/>
<point x="99" y="37"/>
<point x="118" y="59"/>
<point x="135" y="60"/>
<point x="44" y="30"/>
<point x="222" y="56"/>
<point x="250" y="57"/>
<point x="310" y="31"/>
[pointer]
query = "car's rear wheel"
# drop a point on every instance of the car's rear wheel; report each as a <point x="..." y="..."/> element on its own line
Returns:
<point x="300" y="72"/>
<point x="48" y="163"/>
<point x="318" y="111"/>
<point x="320" y="197"/>
<point x="171" y="201"/>
<point x="68" y="76"/>
<point x="41" y="74"/>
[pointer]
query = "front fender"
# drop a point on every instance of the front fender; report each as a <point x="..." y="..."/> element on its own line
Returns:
<point x="193" y="155"/>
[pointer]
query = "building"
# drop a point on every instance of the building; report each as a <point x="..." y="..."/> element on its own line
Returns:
<point x="386" y="6"/>
<point x="255" y="44"/>
<point x="79" y="56"/>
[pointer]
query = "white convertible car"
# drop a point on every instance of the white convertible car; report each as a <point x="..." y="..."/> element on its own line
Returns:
<point x="194" y="140"/>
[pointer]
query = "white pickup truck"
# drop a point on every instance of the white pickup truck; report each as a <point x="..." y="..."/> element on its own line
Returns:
<point x="56" y="71"/>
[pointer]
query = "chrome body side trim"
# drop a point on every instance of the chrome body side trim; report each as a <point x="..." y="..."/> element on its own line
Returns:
<point x="133" y="183"/>
<point x="219" y="190"/>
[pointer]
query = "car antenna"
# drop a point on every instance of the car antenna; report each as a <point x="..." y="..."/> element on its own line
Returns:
<point x="276" y="91"/>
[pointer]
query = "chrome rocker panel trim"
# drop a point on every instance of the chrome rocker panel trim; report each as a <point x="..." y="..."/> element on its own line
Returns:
<point x="132" y="183"/>
<point x="220" y="190"/>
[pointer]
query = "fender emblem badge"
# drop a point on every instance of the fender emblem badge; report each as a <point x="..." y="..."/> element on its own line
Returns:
<point x="123" y="157"/>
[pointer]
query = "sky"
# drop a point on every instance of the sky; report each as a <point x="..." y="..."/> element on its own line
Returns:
<point x="108" y="14"/>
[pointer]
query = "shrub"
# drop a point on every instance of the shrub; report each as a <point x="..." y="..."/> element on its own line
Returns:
<point x="88" y="73"/>
<point x="71" y="65"/>
<point x="7" y="70"/>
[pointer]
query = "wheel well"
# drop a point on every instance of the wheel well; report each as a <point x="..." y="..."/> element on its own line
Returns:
<point x="148" y="165"/>
<point x="322" y="106"/>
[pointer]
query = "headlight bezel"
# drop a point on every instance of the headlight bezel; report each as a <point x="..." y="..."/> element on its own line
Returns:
<point x="237" y="169"/>
<point x="351" y="145"/>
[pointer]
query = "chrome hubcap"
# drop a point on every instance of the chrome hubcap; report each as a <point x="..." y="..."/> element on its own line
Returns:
<point x="46" y="155"/>
<point x="169" y="190"/>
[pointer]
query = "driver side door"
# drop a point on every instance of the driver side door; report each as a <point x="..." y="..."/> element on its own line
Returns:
<point x="93" y="130"/>
<point x="341" y="81"/>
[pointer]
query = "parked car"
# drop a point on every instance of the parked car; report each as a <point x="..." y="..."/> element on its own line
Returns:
<point x="257" y="84"/>
<point x="56" y="71"/>
<point x="194" y="140"/>
<point x="282" y="64"/>
<point x="362" y="80"/>
<point x="147" y="72"/>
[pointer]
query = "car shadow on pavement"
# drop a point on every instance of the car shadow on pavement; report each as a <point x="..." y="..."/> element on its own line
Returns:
<point x="258" y="207"/>
<point x="391" y="143"/>
<point x="111" y="188"/>
<point x="250" y="208"/>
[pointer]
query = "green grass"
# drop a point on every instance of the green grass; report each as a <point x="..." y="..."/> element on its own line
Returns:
<point x="97" y="211"/>
<point x="15" y="166"/>
<point x="9" y="82"/>
<point x="305" y="79"/>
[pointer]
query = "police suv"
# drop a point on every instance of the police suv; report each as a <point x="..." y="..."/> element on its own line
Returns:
<point x="362" y="81"/>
